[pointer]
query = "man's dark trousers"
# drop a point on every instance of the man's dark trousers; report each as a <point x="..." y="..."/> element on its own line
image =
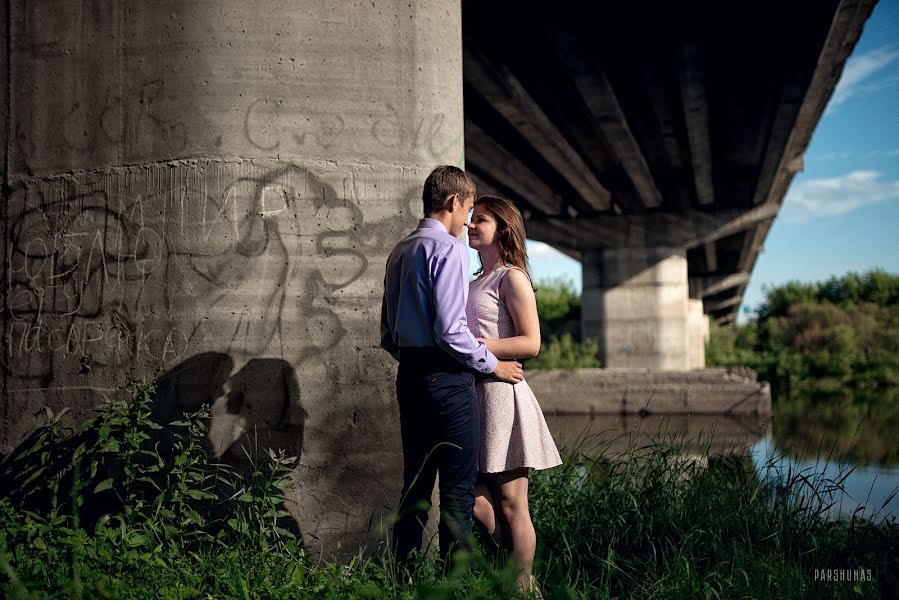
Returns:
<point x="440" y="427"/>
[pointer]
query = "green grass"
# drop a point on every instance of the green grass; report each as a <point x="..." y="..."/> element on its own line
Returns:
<point x="659" y="525"/>
<point x="88" y="516"/>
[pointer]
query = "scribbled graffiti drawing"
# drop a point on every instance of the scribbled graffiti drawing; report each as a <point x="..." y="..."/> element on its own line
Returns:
<point x="261" y="258"/>
<point x="65" y="259"/>
<point x="144" y="269"/>
<point x="323" y="130"/>
<point x="270" y="254"/>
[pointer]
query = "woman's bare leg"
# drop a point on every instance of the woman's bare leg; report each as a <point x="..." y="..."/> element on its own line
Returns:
<point x="485" y="512"/>
<point x="510" y="495"/>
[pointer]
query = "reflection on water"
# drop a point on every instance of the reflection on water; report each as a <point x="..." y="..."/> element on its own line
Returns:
<point x="866" y="491"/>
<point x="852" y="429"/>
<point x="848" y="439"/>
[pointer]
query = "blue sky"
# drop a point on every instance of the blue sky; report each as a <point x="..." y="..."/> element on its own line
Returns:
<point x="842" y="213"/>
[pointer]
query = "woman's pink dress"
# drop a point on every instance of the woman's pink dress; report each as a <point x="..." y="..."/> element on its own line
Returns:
<point x="513" y="431"/>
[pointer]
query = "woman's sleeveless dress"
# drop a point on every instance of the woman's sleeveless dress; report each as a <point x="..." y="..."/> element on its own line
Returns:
<point x="513" y="431"/>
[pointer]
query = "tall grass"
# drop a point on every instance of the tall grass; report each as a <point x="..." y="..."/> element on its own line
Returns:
<point x="661" y="524"/>
<point x="128" y="508"/>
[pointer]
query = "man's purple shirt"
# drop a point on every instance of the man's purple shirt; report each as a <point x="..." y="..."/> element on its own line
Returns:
<point x="425" y="293"/>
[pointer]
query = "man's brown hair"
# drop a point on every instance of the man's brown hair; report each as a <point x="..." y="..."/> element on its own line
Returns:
<point x="444" y="181"/>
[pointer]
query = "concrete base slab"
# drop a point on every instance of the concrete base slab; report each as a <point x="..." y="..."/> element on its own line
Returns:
<point x="701" y="391"/>
<point x="616" y="436"/>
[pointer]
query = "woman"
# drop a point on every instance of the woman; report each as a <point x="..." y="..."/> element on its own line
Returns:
<point x="502" y="312"/>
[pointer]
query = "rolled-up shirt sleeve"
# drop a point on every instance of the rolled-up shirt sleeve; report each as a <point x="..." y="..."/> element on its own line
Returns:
<point x="449" y="273"/>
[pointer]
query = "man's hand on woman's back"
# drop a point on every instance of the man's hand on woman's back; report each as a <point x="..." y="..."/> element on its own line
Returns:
<point x="509" y="371"/>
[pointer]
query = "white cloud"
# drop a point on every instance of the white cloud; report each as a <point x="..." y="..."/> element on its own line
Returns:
<point x="837" y="195"/>
<point x="840" y="155"/>
<point x="542" y="250"/>
<point x="892" y="153"/>
<point x="858" y="70"/>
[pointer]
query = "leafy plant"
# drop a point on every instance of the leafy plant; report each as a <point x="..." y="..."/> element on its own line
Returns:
<point x="653" y="522"/>
<point x="138" y="486"/>
<point x="565" y="353"/>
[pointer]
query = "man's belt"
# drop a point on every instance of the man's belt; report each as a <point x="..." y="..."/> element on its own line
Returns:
<point x="429" y="359"/>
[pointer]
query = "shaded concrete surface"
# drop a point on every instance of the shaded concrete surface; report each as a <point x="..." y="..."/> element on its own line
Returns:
<point x="204" y="194"/>
<point x="714" y="391"/>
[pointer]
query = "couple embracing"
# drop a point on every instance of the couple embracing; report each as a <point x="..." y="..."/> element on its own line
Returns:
<point x="465" y="409"/>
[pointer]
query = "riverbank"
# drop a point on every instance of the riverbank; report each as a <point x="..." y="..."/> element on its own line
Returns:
<point x="656" y="524"/>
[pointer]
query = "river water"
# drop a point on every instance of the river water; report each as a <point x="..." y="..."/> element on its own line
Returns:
<point x="851" y="440"/>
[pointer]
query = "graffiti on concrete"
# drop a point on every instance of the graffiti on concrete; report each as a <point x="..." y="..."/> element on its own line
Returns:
<point x="429" y="132"/>
<point x="64" y="257"/>
<point x="250" y="286"/>
<point x="104" y="121"/>
<point x="323" y="130"/>
<point x="119" y="276"/>
<point x="274" y="124"/>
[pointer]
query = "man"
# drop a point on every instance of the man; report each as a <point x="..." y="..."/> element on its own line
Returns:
<point x="423" y="326"/>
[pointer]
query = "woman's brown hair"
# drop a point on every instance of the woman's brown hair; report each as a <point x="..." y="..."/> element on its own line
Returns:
<point x="510" y="233"/>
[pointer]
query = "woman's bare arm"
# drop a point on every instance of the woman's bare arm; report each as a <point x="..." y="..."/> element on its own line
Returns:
<point x="515" y="290"/>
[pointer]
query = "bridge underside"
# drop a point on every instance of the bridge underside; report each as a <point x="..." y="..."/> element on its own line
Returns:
<point x="654" y="142"/>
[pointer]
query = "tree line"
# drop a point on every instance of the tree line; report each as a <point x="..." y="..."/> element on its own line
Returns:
<point x="842" y="333"/>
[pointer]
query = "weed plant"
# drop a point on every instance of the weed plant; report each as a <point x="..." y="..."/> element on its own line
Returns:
<point x="131" y="508"/>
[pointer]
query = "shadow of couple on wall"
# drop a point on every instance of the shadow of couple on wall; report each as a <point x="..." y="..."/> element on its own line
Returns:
<point x="256" y="409"/>
<point x="124" y="452"/>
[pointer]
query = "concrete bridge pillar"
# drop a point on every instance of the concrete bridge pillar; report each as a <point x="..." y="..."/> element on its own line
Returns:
<point x="697" y="333"/>
<point x="204" y="195"/>
<point x="636" y="302"/>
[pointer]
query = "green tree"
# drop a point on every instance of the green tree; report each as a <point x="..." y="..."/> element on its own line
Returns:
<point x="559" y="310"/>
<point x="779" y="299"/>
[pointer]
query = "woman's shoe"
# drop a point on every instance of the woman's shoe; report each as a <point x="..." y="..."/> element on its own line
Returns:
<point x="533" y="587"/>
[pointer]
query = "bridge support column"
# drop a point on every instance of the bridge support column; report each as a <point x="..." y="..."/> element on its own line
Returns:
<point x="204" y="195"/>
<point x="697" y="334"/>
<point x="635" y="300"/>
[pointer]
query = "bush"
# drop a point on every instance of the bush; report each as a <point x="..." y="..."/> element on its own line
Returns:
<point x="874" y="287"/>
<point x="125" y="488"/>
<point x="559" y="310"/>
<point x="565" y="353"/>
